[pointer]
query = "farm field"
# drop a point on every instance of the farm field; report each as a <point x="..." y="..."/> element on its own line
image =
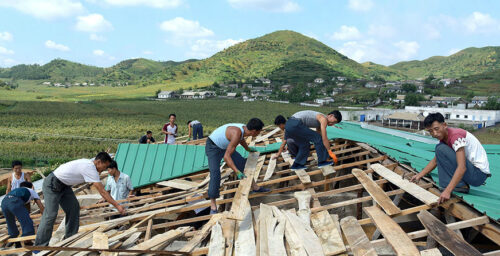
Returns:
<point x="44" y="133"/>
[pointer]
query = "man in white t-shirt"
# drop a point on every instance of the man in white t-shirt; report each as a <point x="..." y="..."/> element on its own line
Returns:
<point x="460" y="158"/>
<point x="57" y="191"/>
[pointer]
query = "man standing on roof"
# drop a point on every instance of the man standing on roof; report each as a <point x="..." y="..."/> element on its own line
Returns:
<point x="196" y="128"/>
<point x="170" y="130"/>
<point x="298" y="129"/>
<point x="221" y="144"/>
<point x="57" y="192"/>
<point x="460" y="158"/>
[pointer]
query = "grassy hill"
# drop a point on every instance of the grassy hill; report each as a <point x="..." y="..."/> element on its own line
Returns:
<point x="467" y="62"/>
<point x="57" y="70"/>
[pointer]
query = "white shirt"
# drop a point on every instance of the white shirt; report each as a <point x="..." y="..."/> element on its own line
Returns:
<point x="16" y="183"/>
<point x="77" y="171"/>
<point x="33" y="195"/>
<point x="474" y="151"/>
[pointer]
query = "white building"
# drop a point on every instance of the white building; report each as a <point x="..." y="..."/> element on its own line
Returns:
<point x="444" y="100"/>
<point x="479" y="101"/>
<point x="197" y="95"/>
<point x="319" y="80"/>
<point x="166" y="95"/>
<point x="371" y="85"/>
<point x="324" y="101"/>
<point x="484" y="117"/>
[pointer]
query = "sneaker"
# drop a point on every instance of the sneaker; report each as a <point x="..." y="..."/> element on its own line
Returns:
<point x="463" y="189"/>
<point x="212" y="212"/>
<point x="296" y="166"/>
<point x="261" y="190"/>
<point x="325" y="163"/>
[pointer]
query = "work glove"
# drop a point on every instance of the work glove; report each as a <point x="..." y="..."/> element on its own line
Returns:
<point x="189" y="139"/>
<point x="333" y="156"/>
<point x="241" y="175"/>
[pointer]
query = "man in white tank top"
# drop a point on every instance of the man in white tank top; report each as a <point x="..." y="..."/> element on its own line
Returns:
<point x="298" y="129"/>
<point x="18" y="176"/>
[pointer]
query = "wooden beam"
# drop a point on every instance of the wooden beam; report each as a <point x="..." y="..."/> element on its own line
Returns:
<point x="376" y="192"/>
<point x="179" y="184"/>
<point x="356" y="237"/>
<point x="202" y="233"/>
<point x="430" y="252"/>
<point x="270" y="168"/>
<point x="310" y="241"/>
<point x="217" y="246"/>
<point x="394" y="234"/>
<point x="244" y="243"/>
<point x="412" y="188"/>
<point x="446" y="236"/>
<point x="328" y="233"/>
<point x="241" y="196"/>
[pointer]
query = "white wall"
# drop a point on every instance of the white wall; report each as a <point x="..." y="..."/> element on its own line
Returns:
<point x="460" y="114"/>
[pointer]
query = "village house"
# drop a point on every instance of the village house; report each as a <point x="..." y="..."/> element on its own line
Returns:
<point x="444" y="100"/>
<point x="319" y="80"/>
<point x="286" y="88"/>
<point x="324" y="101"/>
<point x="46" y="83"/>
<point x="371" y="85"/>
<point x="166" y="95"/>
<point x="400" y="98"/>
<point x="341" y="78"/>
<point x="231" y="95"/>
<point x="395" y="89"/>
<point x="479" y="101"/>
<point x="197" y="95"/>
<point x="449" y="81"/>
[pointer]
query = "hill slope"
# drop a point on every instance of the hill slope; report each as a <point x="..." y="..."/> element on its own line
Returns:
<point x="469" y="61"/>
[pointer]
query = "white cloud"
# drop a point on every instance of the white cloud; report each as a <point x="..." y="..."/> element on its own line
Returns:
<point x="381" y="31"/>
<point x="360" y="5"/>
<point x="359" y="51"/>
<point x="46" y="9"/>
<point x="204" y="48"/>
<point x="98" y="52"/>
<point x="431" y="32"/>
<point x="53" y="45"/>
<point x="181" y="27"/>
<point x="7" y="62"/>
<point x="96" y="37"/>
<point x="481" y="23"/>
<point x="147" y="52"/>
<point x="406" y="50"/>
<point x="93" y="23"/>
<point x="149" y="3"/>
<point x="5" y="51"/>
<point x="266" y="5"/>
<point x="6" y="36"/>
<point x="453" y="51"/>
<point x="347" y="33"/>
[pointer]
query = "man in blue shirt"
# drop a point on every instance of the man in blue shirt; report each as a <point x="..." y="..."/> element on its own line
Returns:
<point x="13" y="207"/>
<point x="118" y="184"/>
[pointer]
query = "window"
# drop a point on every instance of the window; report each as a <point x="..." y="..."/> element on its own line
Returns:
<point x="458" y="116"/>
<point x="466" y="116"/>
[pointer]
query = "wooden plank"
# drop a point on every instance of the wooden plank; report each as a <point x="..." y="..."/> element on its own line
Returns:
<point x="356" y="237"/>
<point x="130" y="241"/>
<point x="376" y="192"/>
<point x="423" y="195"/>
<point x="294" y="243"/>
<point x="394" y="234"/>
<point x="241" y="197"/>
<point x="287" y="158"/>
<point x="304" y="202"/>
<point x="198" y="238"/>
<point x="244" y="237"/>
<point x="179" y="184"/>
<point x="430" y="252"/>
<point x="265" y="213"/>
<point x="328" y="233"/>
<point x="217" y="244"/>
<point x="270" y="169"/>
<point x="310" y="241"/>
<point x="327" y="170"/>
<point x="100" y="241"/>
<point x="228" y="229"/>
<point x="446" y="236"/>
<point x="164" y="238"/>
<point x="304" y="178"/>
<point x="258" y="168"/>
<point x="76" y="249"/>
<point x="269" y="134"/>
<point x="148" y="230"/>
<point x="275" y="234"/>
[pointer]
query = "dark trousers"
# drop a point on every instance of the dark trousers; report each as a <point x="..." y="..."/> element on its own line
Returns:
<point x="14" y="207"/>
<point x="303" y="135"/>
<point x="197" y="131"/>
<point x="292" y="146"/>
<point x="215" y="156"/>
<point x="57" y="194"/>
<point x="446" y="159"/>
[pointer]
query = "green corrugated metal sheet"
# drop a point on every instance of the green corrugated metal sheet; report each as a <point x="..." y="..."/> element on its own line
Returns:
<point x="418" y="154"/>
<point x="151" y="163"/>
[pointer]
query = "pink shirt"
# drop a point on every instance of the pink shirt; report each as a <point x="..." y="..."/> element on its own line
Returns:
<point x="474" y="151"/>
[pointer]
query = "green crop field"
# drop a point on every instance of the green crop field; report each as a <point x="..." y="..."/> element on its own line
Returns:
<point x="44" y="132"/>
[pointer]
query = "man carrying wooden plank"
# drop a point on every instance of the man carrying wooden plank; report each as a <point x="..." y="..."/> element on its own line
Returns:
<point x="57" y="191"/>
<point x="298" y="128"/>
<point x="460" y="158"/>
<point x="221" y="144"/>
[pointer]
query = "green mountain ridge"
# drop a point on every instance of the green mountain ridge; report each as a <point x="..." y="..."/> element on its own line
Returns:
<point x="284" y="56"/>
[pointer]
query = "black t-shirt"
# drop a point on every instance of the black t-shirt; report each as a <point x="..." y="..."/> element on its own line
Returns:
<point x="144" y="139"/>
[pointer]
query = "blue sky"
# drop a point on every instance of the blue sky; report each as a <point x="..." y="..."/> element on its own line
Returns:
<point x="104" y="32"/>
